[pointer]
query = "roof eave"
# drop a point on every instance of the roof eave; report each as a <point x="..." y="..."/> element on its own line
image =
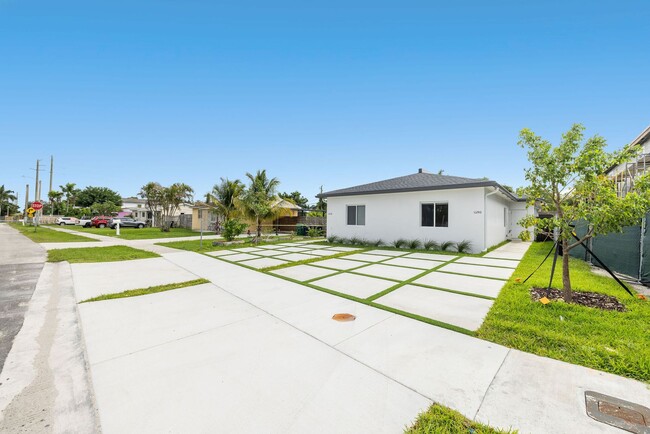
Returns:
<point x="430" y="188"/>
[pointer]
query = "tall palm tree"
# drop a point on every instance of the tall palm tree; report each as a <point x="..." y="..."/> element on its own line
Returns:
<point x="70" y="191"/>
<point x="226" y="195"/>
<point x="6" y="197"/>
<point x="258" y="199"/>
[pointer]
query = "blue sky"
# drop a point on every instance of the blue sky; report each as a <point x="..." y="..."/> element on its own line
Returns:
<point x="123" y="93"/>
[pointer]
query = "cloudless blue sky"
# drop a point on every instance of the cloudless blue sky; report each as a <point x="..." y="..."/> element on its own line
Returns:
<point x="122" y="93"/>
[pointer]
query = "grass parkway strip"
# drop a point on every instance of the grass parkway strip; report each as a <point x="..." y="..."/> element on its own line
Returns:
<point x="145" y="291"/>
<point x="98" y="254"/>
<point x="44" y="234"/>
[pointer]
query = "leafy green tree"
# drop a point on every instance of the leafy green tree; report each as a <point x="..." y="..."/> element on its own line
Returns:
<point x="104" y="208"/>
<point x="92" y="195"/>
<point x="296" y="198"/>
<point x="6" y="199"/>
<point x="569" y="182"/>
<point x="70" y="191"/>
<point x="258" y="199"/>
<point x="55" y="197"/>
<point x="226" y="195"/>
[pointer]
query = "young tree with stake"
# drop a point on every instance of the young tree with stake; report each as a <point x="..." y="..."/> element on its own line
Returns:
<point x="570" y="182"/>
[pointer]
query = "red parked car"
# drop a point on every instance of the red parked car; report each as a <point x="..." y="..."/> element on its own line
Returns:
<point x="100" y="221"/>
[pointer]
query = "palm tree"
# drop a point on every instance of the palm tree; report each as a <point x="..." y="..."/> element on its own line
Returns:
<point x="258" y="200"/>
<point x="226" y="195"/>
<point x="171" y="199"/>
<point x="70" y="193"/>
<point x="6" y="197"/>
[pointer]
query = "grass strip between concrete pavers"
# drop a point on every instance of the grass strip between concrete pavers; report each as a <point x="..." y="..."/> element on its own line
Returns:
<point x="610" y="341"/>
<point x="407" y="281"/>
<point x="43" y="234"/>
<point x="304" y="261"/>
<point x="98" y="254"/>
<point x="357" y="299"/>
<point x="439" y="419"/>
<point x="145" y="291"/>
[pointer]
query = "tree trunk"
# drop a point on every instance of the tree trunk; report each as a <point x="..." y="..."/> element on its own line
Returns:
<point x="566" y="280"/>
<point x="259" y="230"/>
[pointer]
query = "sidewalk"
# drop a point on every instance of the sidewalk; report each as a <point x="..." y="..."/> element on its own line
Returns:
<point x="45" y="382"/>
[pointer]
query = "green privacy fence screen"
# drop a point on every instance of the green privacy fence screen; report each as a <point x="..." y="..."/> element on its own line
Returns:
<point x="626" y="253"/>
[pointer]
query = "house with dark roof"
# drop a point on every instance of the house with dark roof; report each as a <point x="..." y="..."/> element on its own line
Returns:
<point x="427" y="206"/>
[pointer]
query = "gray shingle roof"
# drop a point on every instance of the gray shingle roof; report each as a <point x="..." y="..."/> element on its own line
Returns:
<point x="420" y="181"/>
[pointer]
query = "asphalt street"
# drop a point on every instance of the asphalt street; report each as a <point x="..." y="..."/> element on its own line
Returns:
<point x="21" y="263"/>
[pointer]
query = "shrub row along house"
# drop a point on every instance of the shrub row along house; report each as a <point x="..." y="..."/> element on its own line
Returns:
<point x="427" y="206"/>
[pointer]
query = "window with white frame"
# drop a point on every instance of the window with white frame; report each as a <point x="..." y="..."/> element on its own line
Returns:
<point x="434" y="215"/>
<point x="356" y="215"/>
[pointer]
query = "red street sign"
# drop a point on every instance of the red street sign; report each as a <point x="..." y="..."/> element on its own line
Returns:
<point x="37" y="205"/>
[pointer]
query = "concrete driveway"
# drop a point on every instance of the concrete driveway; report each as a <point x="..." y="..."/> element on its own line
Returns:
<point x="453" y="289"/>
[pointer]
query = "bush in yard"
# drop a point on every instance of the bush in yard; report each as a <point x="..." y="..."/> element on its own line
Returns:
<point x="333" y="239"/>
<point x="431" y="245"/>
<point x="414" y="244"/>
<point x="464" y="246"/>
<point x="400" y="242"/>
<point x="232" y="229"/>
<point x="315" y="232"/>
<point x="446" y="245"/>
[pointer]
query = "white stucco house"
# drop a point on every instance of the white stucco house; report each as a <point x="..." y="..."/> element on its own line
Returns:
<point x="427" y="206"/>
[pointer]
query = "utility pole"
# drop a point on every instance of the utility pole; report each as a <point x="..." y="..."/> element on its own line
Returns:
<point x="38" y="168"/>
<point x="26" y="204"/>
<point x="51" y="172"/>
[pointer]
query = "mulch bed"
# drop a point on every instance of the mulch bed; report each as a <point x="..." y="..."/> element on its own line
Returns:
<point x="589" y="299"/>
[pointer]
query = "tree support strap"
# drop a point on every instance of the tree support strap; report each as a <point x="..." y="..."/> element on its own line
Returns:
<point x="556" y="248"/>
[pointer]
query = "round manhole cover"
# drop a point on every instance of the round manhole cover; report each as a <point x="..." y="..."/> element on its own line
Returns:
<point x="344" y="317"/>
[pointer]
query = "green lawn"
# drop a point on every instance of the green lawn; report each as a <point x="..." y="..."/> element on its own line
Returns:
<point x="616" y="342"/>
<point x="98" y="254"/>
<point x="142" y="234"/>
<point x="442" y="420"/>
<point x="195" y="245"/>
<point x="47" y="235"/>
<point x="149" y="290"/>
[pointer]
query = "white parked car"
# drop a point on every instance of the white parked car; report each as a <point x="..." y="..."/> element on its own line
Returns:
<point x="84" y="222"/>
<point x="62" y="221"/>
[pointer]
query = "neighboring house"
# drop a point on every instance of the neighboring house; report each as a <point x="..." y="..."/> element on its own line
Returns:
<point x="625" y="173"/>
<point x="138" y="209"/>
<point x="426" y="206"/>
<point x="204" y="216"/>
<point x="627" y="252"/>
